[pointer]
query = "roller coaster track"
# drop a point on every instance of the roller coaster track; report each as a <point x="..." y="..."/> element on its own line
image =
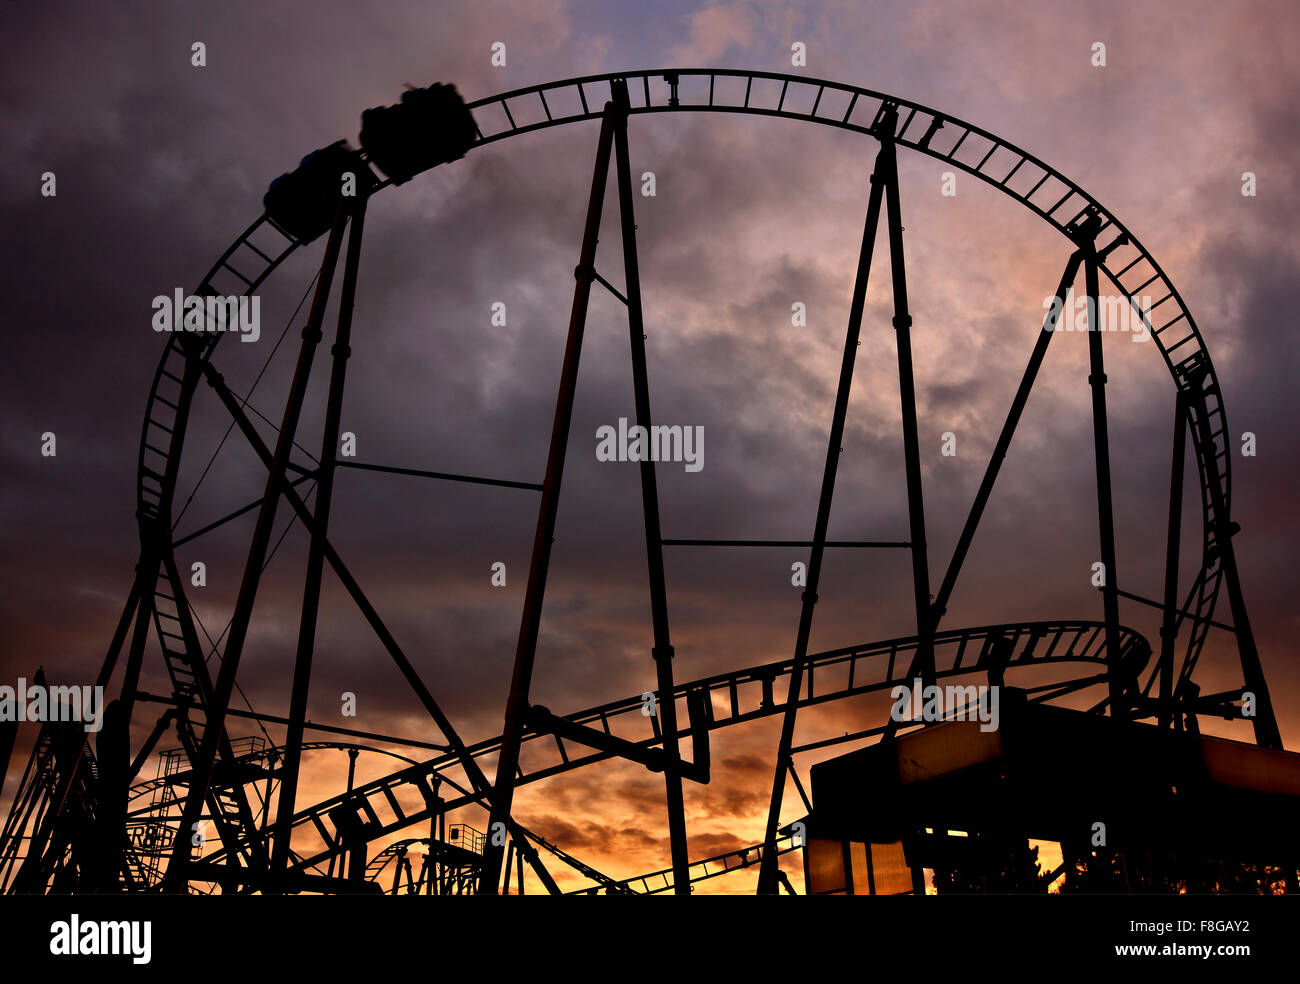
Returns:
<point x="1133" y="271"/>
<point x="732" y="698"/>
<point x="439" y="850"/>
<point x="652" y="883"/>
<point x="396" y="853"/>
<point x="270" y="753"/>
<point x="657" y="882"/>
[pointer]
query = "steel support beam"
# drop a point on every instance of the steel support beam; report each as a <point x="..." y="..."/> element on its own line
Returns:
<point x="176" y="879"/>
<point x="1117" y="684"/>
<point x="542" y="721"/>
<point x="1179" y="614"/>
<point x="159" y="729"/>
<point x="234" y="514"/>
<point x="911" y="446"/>
<point x="119" y="634"/>
<point x="1267" y="734"/>
<point x="139" y="638"/>
<point x="881" y="176"/>
<point x="530" y="622"/>
<point x="663" y="649"/>
<point x="316" y="553"/>
<point x="264" y="718"/>
<point x="510" y="860"/>
<point x="1004" y="439"/>
<point x="1169" y="624"/>
<point x="444" y="476"/>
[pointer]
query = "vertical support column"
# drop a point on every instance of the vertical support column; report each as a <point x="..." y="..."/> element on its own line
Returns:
<point x="526" y="649"/>
<point x="113" y="747"/>
<point x="924" y="662"/>
<point x="316" y="554"/>
<point x="663" y="649"/>
<point x="358" y="852"/>
<point x="767" y="880"/>
<point x="1267" y="734"/>
<point x="176" y="879"/>
<point x="107" y="839"/>
<point x="123" y="626"/>
<point x="1169" y="625"/>
<point x="139" y="636"/>
<point x="1105" y="507"/>
<point x="510" y="861"/>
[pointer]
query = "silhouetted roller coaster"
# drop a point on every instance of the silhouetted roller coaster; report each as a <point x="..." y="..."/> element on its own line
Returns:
<point x="84" y="819"/>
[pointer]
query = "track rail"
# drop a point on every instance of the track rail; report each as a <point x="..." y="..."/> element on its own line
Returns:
<point x="652" y="883"/>
<point x="732" y="698"/>
<point x="269" y="753"/>
<point x="658" y="882"/>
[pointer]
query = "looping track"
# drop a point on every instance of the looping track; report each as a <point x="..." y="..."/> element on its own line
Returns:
<point x="255" y="254"/>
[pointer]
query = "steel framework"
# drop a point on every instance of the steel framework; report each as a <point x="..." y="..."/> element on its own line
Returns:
<point x="83" y="821"/>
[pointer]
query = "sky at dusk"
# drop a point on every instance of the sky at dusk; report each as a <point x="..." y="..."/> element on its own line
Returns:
<point x="161" y="164"/>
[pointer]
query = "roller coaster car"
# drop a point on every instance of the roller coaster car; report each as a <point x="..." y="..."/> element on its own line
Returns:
<point x="303" y="202"/>
<point x="428" y="127"/>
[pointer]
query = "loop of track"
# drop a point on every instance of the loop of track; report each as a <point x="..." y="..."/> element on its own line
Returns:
<point x="257" y="252"/>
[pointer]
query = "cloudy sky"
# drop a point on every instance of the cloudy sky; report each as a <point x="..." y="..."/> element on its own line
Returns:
<point x="160" y="164"/>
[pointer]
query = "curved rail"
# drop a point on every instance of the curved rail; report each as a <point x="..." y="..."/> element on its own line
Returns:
<point x="1042" y="189"/>
<point x="269" y="752"/>
<point x="658" y="882"/>
<point x="651" y="883"/>
<point x="731" y="698"/>
<point x="262" y="247"/>
<point x="438" y="852"/>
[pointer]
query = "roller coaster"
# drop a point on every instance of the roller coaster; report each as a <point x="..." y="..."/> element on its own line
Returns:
<point x="84" y="820"/>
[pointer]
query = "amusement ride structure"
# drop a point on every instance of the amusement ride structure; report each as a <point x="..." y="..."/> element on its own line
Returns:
<point x="85" y="819"/>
